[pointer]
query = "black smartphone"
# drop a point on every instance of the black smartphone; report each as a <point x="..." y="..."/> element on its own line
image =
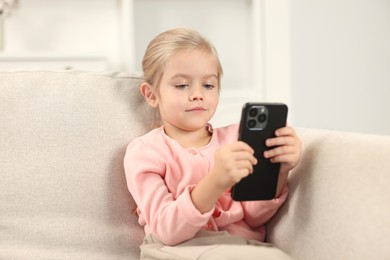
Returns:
<point x="259" y="122"/>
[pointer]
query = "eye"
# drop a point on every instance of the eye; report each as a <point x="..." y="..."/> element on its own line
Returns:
<point x="208" y="86"/>
<point x="181" y="86"/>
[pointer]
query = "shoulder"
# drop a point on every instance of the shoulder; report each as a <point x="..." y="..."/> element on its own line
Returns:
<point x="155" y="144"/>
<point x="233" y="128"/>
<point x="153" y="137"/>
<point x="143" y="152"/>
<point x="227" y="133"/>
<point x="147" y="143"/>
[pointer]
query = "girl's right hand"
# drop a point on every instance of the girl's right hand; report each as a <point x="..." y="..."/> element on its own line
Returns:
<point x="232" y="162"/>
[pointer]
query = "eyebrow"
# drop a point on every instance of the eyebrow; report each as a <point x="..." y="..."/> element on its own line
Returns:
<point x="187" y="76"/>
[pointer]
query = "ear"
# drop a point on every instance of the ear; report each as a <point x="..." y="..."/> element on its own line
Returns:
<point x="148" y="92"/>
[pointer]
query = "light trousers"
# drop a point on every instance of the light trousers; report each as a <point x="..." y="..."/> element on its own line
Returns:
<point x="211" y="245"/>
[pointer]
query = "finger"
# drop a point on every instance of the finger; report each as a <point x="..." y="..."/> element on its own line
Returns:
<point x="240" y="174"/>
<point x="285" y="131"/>
<point x="245" y="156"/>
<point x="245" y="165"/>
<point x="240" y="145"/>
<point x="280" y="150"/>
<point x="244" y="146"/>
<point x="289" y="159"/>
<point x="278" y="141"/>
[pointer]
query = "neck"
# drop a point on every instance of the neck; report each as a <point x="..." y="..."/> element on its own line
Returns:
<point x="196" y="138"/>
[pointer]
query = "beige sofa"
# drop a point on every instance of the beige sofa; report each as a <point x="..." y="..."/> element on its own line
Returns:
<point x="63" y="193"/>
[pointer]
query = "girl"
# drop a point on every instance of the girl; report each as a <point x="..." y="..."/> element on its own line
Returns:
<point x="180" y="173"/>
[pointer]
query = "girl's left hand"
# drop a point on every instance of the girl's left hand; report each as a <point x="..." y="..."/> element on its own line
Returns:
<point x="287" y="151"/>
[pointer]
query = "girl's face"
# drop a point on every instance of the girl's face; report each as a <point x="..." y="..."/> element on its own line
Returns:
<point x="188" y="91"/>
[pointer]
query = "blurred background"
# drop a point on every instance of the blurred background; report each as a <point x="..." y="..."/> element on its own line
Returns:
<point x="328" y="60"/>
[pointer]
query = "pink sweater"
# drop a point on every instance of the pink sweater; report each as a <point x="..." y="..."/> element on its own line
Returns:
<point x="160" y="175"/>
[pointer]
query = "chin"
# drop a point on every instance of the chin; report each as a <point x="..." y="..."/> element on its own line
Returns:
<point x="194" y="127"/>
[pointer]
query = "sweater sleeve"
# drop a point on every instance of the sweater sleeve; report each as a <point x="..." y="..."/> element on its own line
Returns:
<point x="171" y="220"/>
<point x="257" y="213"/>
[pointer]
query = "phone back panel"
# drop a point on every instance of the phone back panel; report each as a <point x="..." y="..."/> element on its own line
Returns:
<point x="262" y="183"/>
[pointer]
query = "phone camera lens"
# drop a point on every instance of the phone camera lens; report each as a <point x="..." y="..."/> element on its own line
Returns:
<point x="251" y="123"/>
<point x="252" y="112"/>
<point x="262" y="118"/>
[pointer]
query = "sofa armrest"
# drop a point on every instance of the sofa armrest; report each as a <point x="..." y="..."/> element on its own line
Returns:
<point x="339" y="198"/>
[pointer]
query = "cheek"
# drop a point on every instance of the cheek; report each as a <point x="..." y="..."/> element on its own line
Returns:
<point x="171" y="104"/>
<point x="215" y="99"/>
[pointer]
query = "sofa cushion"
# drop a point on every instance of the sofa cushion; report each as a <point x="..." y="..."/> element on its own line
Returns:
<point x="63" y="191"/>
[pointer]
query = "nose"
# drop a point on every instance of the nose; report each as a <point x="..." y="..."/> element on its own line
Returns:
<point x="196" y="94"/>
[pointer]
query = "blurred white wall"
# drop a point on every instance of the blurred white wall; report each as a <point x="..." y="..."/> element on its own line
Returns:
<point x="331" y="65"/>
<point x="341" y="64"/>
<point x="41" y="31"/>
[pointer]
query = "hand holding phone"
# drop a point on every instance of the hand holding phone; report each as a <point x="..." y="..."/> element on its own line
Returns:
<point x="259" y="121"/>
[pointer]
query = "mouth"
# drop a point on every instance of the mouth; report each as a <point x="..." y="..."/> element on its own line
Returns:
<point x="196" y="109"/>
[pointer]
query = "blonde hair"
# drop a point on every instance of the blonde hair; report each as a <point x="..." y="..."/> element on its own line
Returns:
<point x="166" y="44"/>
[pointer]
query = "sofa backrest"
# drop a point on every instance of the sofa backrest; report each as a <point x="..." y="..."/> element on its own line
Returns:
<point x="63" y="191"/>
